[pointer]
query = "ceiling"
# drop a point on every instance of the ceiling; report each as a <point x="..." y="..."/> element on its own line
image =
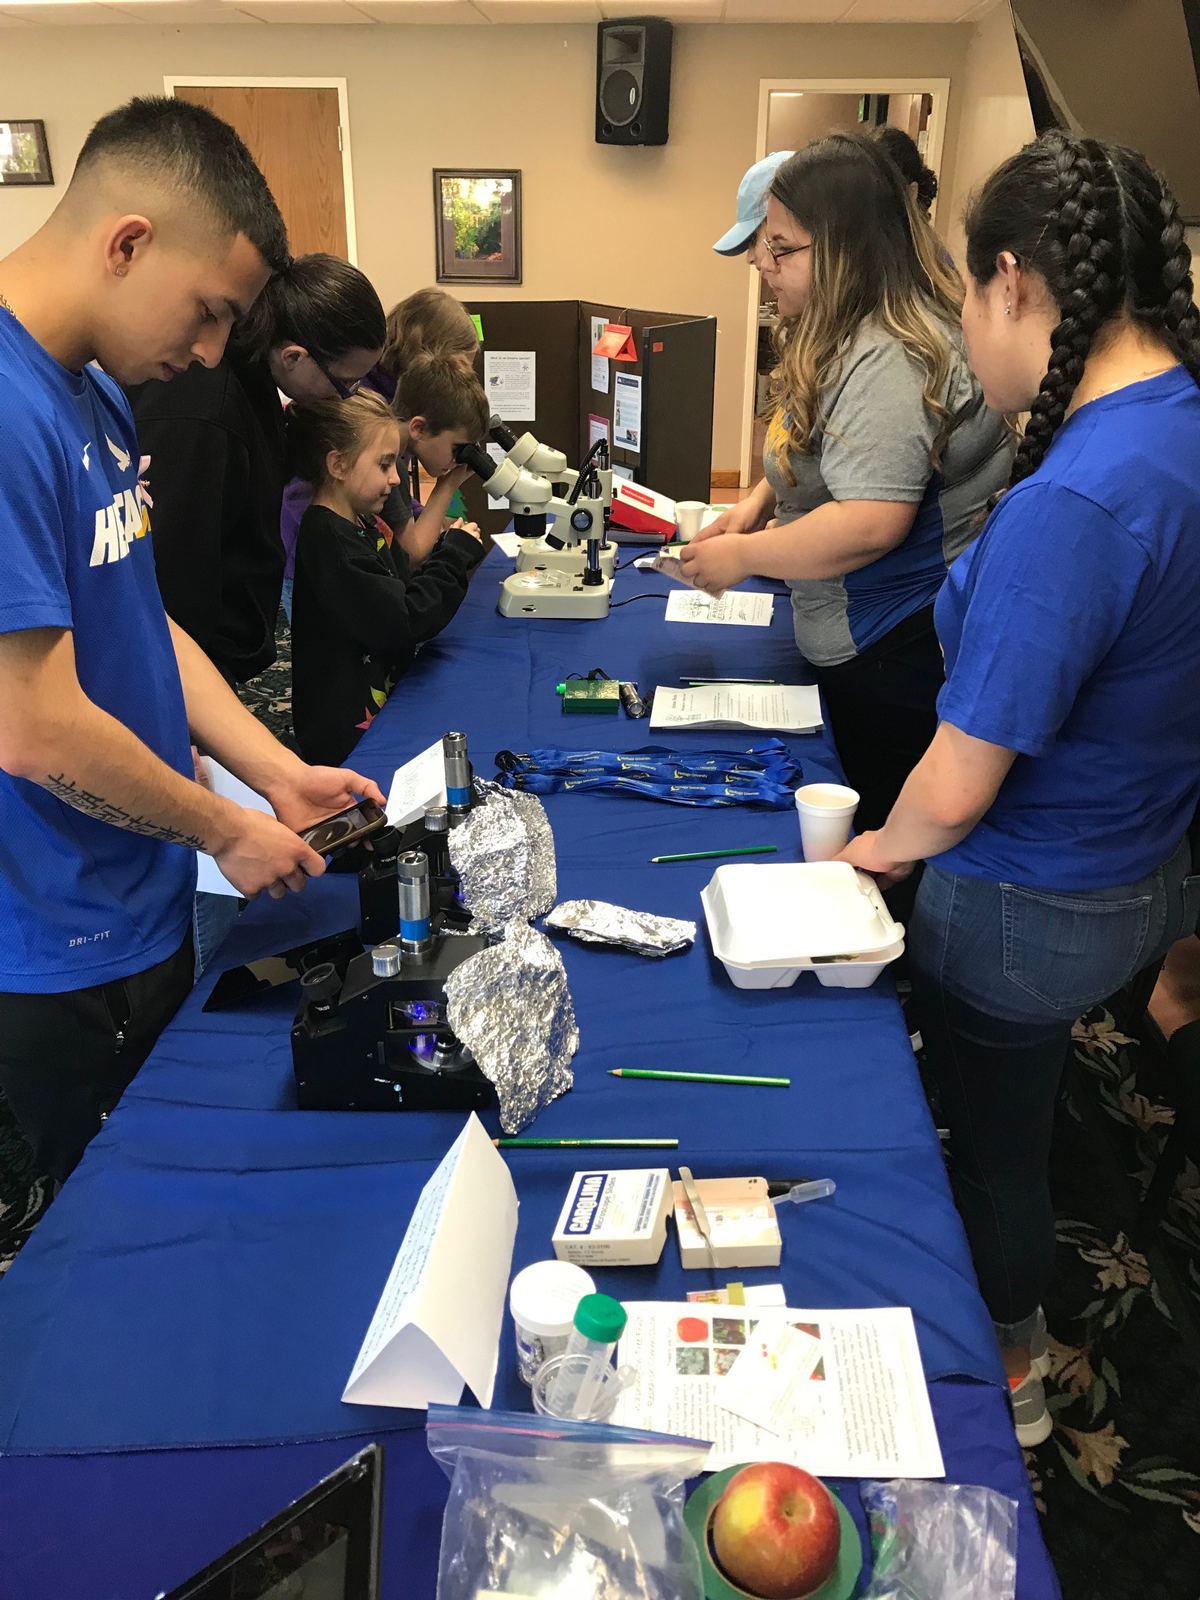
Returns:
<point x="482" y="12"/>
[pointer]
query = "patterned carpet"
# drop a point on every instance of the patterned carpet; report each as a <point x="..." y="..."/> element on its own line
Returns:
<point x="1118" y="1481"/>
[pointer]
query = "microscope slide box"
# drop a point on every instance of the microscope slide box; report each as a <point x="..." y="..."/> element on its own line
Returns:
<point x="615" y="1219"/>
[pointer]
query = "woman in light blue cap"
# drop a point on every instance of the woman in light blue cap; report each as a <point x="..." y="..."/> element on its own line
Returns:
<point x="880" y="456"/>
<point x="745" y="237"/>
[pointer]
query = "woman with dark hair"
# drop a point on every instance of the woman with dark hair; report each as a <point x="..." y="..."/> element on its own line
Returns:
<point x="1053" y="804"/>
<point x="920" y="180"/>
<point x="215" y="438"/>
<point x="880" y="456"/>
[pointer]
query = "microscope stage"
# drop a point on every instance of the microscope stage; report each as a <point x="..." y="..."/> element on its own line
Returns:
<point x="543" y="593"/>
<point x="535" y="553"/>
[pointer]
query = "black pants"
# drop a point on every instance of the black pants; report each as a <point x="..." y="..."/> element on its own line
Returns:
<point x="882" y="710"/>
<point x="66" y="1059"/>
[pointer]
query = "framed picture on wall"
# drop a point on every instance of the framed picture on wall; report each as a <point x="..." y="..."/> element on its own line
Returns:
<point x="24" y="153"/>
<point x="477" y="215"/>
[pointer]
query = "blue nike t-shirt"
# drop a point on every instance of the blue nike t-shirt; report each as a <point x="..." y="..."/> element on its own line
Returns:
<point x="82" y="901"/>
<point x="1071" y="630"/>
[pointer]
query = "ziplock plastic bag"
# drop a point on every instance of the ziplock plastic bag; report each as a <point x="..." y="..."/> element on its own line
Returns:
<point x="940" y="1541"/>
<point x="765" y="775"/>
<point x="562" y="1510"/>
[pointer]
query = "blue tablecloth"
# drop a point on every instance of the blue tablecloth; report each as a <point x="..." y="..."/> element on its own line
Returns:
<point x="208" y="1273"/>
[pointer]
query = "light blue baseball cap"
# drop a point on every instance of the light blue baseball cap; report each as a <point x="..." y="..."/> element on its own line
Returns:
<point x="751" y="204"/>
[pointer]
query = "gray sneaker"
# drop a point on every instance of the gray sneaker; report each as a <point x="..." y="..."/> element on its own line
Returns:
<point x="1039" y="1349"/>
<point x="1031" y="1418"/>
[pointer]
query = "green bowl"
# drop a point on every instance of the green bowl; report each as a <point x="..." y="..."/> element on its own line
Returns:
<point x="839" y="1585"/>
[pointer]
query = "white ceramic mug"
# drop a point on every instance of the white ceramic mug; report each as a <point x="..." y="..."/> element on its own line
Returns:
<point x="689" y="514"/>
<point x="826" y="812"/>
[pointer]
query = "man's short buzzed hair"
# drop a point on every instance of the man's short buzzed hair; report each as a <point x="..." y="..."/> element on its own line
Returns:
<point x="200" y="158"/>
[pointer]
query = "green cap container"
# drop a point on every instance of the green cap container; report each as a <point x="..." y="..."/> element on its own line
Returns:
<point x="600" y="1317"/>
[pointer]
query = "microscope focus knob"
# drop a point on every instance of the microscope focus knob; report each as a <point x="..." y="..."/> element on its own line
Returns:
<point x="581" y="521"/>
<point x="385" y="960"/>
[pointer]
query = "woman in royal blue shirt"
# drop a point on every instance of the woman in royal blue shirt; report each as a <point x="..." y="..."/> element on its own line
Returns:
<point x="1053" y="803"/>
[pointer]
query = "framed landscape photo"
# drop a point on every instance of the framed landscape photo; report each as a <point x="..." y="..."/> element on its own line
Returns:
<point x="24" y="153"/>
<point x="477" y="215"/>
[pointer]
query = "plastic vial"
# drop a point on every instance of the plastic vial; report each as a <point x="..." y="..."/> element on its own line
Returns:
<point x="598" y="1324"/>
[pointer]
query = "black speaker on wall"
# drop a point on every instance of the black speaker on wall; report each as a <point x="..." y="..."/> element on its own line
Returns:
<point x="633" y="80"/>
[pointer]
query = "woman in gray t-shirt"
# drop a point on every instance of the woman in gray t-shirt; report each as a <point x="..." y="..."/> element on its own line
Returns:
<point x="880" y="457"/>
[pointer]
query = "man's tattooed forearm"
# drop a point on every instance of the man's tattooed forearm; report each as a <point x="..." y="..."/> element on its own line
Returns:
<point x="95" y="805"/>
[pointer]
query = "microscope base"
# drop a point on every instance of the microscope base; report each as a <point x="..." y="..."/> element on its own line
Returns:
<point x="377" y="1049"/>
<point x="536" y="553"/>
<point x="553" y="594"/>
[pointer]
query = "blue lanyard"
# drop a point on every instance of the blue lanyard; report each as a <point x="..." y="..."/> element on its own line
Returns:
<point x="765" y="775"/>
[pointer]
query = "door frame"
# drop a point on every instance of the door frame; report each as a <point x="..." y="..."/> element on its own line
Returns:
<point x="202" y="82"/>
<point x="939" y="88"/>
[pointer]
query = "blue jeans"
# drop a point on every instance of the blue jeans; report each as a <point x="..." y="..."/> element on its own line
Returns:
<point x="289" y="585"/>
<point x="212" y="917"/>
<point x="1000" y="974"/>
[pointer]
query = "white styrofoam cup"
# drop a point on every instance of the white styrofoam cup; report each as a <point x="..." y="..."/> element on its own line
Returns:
<point x="826" y="812"/>
<point x="688" y="516"/>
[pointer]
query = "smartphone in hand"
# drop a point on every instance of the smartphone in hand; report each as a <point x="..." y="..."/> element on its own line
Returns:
<point x="347" y="827"/>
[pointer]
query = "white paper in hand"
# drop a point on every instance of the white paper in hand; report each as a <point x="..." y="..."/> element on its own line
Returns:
<point x="437" y="1324"/>
<point x="209" y="877"/>
<point x="417" y="785"/>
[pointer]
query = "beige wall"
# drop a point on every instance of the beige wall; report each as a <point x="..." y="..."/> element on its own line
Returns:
<point x="994" y="118"/>
<point x="633" y="226"/>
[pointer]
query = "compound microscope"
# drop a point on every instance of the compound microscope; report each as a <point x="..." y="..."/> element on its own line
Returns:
<point x="567" y="571"/>
<point x="370" y="1031"/>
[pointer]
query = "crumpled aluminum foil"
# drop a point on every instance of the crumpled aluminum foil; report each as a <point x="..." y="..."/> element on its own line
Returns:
<point x="597" y="922"/>
<point x="511" y="1007"/>
<point x="504" y="855"/>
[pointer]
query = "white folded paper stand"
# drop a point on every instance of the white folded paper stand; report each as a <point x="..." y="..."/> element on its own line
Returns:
<point x="437" y="1324"/>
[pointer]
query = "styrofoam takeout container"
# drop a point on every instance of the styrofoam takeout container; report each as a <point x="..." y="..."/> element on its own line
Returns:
<point x="768" y="924"/>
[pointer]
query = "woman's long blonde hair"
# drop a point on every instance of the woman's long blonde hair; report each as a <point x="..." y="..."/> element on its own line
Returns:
<point x="874" y="257"/>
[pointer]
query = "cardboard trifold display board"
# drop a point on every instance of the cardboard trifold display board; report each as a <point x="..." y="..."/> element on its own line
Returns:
<point x="676" y="357"/>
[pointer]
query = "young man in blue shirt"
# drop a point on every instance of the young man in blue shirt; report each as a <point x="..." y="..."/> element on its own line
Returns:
<point x="165" y="235"/>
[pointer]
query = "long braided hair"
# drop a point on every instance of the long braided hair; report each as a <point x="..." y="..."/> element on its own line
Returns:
<point x="1102" y="229"/>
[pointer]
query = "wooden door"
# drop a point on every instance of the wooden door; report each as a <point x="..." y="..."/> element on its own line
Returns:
<point x="295" y="136"/>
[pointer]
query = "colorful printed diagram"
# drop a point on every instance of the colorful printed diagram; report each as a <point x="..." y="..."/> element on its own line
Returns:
<point x="709" y="1349"/>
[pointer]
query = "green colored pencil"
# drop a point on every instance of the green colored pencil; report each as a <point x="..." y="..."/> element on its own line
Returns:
<point x="707" y="855"/>
<point x="586" y="1144"/>
<point x="700" y="1077"/>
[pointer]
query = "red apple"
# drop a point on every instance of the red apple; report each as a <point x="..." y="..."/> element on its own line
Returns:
<point x="776" y="1531"/>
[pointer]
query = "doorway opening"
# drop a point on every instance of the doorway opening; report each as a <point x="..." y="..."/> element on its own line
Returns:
<point x="792" y="113"/>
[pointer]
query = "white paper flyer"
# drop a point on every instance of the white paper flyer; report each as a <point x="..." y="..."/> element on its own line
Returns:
<point x="786" y="707"/>
<point x="850" y="1395"/>
<point x="737" y="606"/>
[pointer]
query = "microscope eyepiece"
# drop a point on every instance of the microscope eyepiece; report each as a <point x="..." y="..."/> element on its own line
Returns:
<point x="473" y="456"/>
<point x="500" y="433"/>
